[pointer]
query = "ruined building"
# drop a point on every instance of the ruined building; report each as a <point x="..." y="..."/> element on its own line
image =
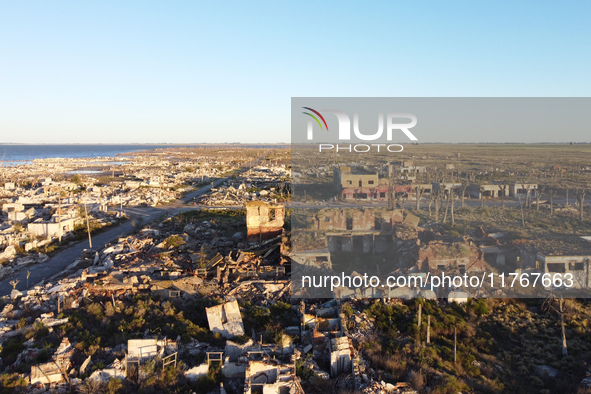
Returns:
<point x="263" y="220"/>
<point x="358" y="184"/>
<point x="225" y="319"/>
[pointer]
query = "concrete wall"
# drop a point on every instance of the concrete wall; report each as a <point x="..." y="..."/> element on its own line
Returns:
<point x="340" y="357"/>
<point x="348" y="179"/>
<point x="578" y="266"/>
<point x="233" y="350"/>
<point x="358" y="220"/>
<point x="144" y="349"/>
<point x="225" y="319"/>
<point x="263" y="220"/>
<point x="197" y="372"/>
<point x="233" y="370"/>
<point x="50" y="229"/>
<point x="490" y="191"/>
<point x="12" y="207"/>
<point x="363" y="243"/>
<point x="38" y="377"/>
<point x="261" y="372"/>
<point x="458" y="296"/>
<point x="520" y="189"/>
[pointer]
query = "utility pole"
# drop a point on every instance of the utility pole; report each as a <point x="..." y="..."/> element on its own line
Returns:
<point x="59" y="213"/>
<point x="420" y="316"/>
<point x="88" y="226"/>
<point x="455" y="343"/>
<point x="428" y="329"/>
<point x="522" y="214"/>
<point x="451" y="195"/>
<point x="420" y="321"/>
<point x="561" y="309"/>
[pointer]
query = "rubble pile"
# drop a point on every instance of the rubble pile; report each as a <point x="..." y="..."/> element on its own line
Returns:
<point x="259" y="184"/>
<point x="39" y="208"/>
<point x="382" y="387"/>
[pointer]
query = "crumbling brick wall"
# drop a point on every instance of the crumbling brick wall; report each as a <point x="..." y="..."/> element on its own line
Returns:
<point x="364" y="220"/>
<point x="263" y="220"/>
<point x="333" y="219"/>
<point x="389" y="219"/>
<point x="360" y="220"/>
<point x="433" y="259"/>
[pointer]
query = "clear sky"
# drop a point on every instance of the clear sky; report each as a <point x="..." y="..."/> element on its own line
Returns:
<point x="214" y="71"/>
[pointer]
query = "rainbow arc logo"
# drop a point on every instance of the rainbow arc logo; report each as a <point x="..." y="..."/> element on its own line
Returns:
<point x="315" y="118"/>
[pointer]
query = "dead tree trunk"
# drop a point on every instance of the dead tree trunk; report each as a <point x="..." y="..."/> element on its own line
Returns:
<point x="446" y="208"/>
<point x="462" y="194"/>
<point x="564" y="348"/>
<point x="552" y="193"/>
<point x="539" y="196"/>
<point x="437" y="197"/>
<point x="522" y="213"/>
<point x="557" y="305"/>
<point x="420" y="321"/>
<point x="391" y="196"/>
<point x="453" y="221"/>
<point x="418" y="195"/>
<point x="581" y="201"/>
<point x="481" y="189"/>
<point x="455" y="344"/>
<point x="503" y="190"/>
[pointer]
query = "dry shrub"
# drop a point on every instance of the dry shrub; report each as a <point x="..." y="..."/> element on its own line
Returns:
<point x="416" y="380"/>
<point x="392" y="363"/>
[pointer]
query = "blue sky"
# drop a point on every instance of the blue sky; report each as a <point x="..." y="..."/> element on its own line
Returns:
<point x="187" y="71"/>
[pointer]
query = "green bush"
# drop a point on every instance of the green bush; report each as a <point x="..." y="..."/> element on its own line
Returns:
<point x="12" y="383"/>
<point x="174" y="241"/>
<point x="114" y="386"/>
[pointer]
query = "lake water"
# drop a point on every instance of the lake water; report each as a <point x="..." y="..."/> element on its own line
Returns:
<point x="19" y="154"/>
<point x="15" y="154"/>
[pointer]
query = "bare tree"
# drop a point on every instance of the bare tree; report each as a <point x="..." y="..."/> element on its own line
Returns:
<point x="418" y="194"/>
<point x="526" y="195"/>
<point x="552" y="193"/>
<point x="503" y="190"/>
<point x="522" y="213"/>
<point x="462" y="190"/>
<point x="391" y="195"/>
<point x="581" y="200"/>
<point x="481" y="190"/>
<point x="557" y="305"/>
<point x="437" y="198"/>
<point x="539" y="196"/>
<point x="451" y="196"/>
<point x="447" y="197"/>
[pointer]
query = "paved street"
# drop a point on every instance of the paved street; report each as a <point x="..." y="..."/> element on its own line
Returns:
<point x="67" y="256"/>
